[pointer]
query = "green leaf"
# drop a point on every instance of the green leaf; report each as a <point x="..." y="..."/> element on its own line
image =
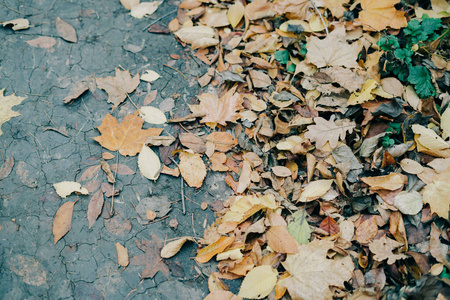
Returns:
<point x="303" y="50"/>
<point x="291" y="68"/>
<point x="282" y="56"/>
<point x="413" y="28"/>
<point x="299" y="227"/>
<point x="429" y="26"/>
<point x="388" y="42"/>
<point x="420" y="77"/>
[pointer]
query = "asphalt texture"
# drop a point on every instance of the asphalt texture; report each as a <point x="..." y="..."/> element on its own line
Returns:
<point x="83" y="264"/>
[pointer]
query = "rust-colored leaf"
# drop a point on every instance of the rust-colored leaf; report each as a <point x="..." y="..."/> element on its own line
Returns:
<point x="63" y="220"/>
<point x="330" y="226"/>
<point x="280" y="240"/>
<point x="205" y="254"/>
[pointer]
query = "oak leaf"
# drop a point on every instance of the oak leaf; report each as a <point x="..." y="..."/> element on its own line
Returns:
<point x="6" y="105"/>
<point x="332" y="50"/>
<point x="218" y="111"/>
<point x="312" y="273"/>
<point x="329" y="131"/>
<point x="127" y="137"/>
<point x="118" y="87"/>
<point x="376" y="15"/>
<point x="436" y="194"/>
<point x="63" y="220"/>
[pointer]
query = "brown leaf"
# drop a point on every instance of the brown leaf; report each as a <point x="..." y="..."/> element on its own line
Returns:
<point x="218" y="111"/>
<point x="107" y="169"/>
<point x="377" y="15"/>
<point x="260" y="79"/>
<point x="150" y="258"/>
<point x="118" y="87"/>
<point x="127" y="137"/>
<point x="259" y="9"/>
<point x="192" y="168"/>
<point x="193" y="142"/>
<point x="42" y="42"/>
<point x="244" y="179"/>
<point x="66" y="31"/>
<point x="63" y="220"/>
<point x="90" y="173"/>
<point x="280" y="240"/>
<point x="7" y="167"/>
<point x="95" y="207"/>
<point x="366" y="231"/>
<point x="383" y="247"/>
<point x="79" y="88"/>
<point x="329" y="131"/>
<point x="437" y="249"/>
<point x="223" y="141"/>
<point x="121" y="169"/>
<point x="330" y="226"/>
<point x="122" y="255"/>
<point x="222" y="295"/>
<point x="281" y="171"/>
<point x="160" y="141"/>
<point x="218" y="162"/>
<point x="389" y="182"/>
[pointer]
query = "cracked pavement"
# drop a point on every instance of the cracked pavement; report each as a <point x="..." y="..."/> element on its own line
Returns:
<point x="83" y="264"/>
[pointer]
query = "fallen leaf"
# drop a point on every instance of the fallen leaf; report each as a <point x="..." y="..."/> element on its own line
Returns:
<point x="223" y="141"/>
<point x="218" y="162"/>
<point x="65" y="188"/>
<point x="204" y="255"/>
<point x="7" y="103"/>
<point x="235" y="13"/>
<point x="299" y="227"/>
<point x="244" y="178"/>
<point x="152" y="115"/>
<point x="120" y="169"/>
<point x="193" y="142"/>
<point x="127" y="137"/>
<point x="445" y="123"/>
<point x="428" y="138"/>
<point x="260" y="79"/>
<point x="150" y="76"/>
<point x="281" y="171"/>
<point x="173" y="223"/>
<point x="192" y="168"/>
<point x="312" y="273"/>
<point x="329" y="131"/>
<point x="204" y="205"/>
<point x="315" y="189"/>
<point x="389" y="182"/>
<point x="409" y="203"/>
<point x="149" y="163"/>
<point x="258" y="283"/>
<point x="280" y="240"/>
<point x="382" y="249"/>
<point x="438" y="249"/>
<point x="330" y="226"/>
<point x="79" y="88"/>
<point x="336" y="7"/>
<point x="95" y="207"/>
<point x="172" y="248"/>
<point x="411" y="166"/>
<point x="6" y="168"/>
<point x="107" y="169"/>
<point x="151" y="215"/>
<point x="259" y="9"/>
<point x="332" y="50"/>
<point x="144" y="9"/>
<point x="66" y="31"/>
<point x="218" y="111"/>
<point x="129" y="4"/>
<point x="30" y="270"/>
<point x="44" y="42"/>
<point x="436" y="194"/>
<point x="379" y="14"/>
<point x="198" y="36"/>
<point x="365" y="94"/>
<point x="150" y="258"/>
<point x="122" y="255"/>
<point x="222" y="295"/>
<point x="247" y="206"/>
<point x="366" y="231"/>
<point x="160" y="140"/>
<point x="17" y="24"/>
<point x="63" y="220"/>
<point x="118" y="87"/>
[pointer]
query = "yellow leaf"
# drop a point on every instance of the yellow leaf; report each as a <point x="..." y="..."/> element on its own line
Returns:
<point x="247" y="206"/>
<point x="205" y="254"/>
<point x="437" y="194"/>
<point x="258" y="283"/>
<point x="8" y="102"/>
<point x="122" y="255"/>
<point x="316" y="189"/>
<point x="172" y="248"/>
<point x="376" y="15"/>
<point x="389" y="182"/>
<point x="144" y="9"/>
<point x="192" y="169"/>
<point x="366" y="93"/>
<point x="235" y="13"/>
<point x="428" y="138"/>
<point x="150" y="76"/>
<point x="148" y="163"/>
<point x="198" y="36"/>
<point x="129" y="4"/>
<point x="445" y="123"/>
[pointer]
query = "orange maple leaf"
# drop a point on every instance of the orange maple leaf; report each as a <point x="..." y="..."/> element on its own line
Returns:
<point x="127" y="137"/>
<point x="376" y="15"/>
<point x="219" y="111"/>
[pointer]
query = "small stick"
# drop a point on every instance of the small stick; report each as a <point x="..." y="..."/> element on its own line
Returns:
<point x="132" y="102"/>
<point x="165" y="217"/>
<point x="320" y="15"/>
<point x="183" y="205"/>
<point x="193" y="227"/>
<point x="176" y="70"/>
<point x="159" y="19"/>
<point x="11" y="8"/>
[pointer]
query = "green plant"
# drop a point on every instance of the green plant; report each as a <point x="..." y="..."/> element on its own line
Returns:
<point x="403" y="54"/>
<point x="394" y="129"/>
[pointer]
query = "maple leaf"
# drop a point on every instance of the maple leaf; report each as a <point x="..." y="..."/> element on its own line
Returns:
<point x="436" y="194"/>
<point x="376" y="15"/>
<point x="383" y="247"/>
<point x="218" y="111"/>
<point x="6" y="103"/>
<point x="312" y="272"/>
<point x="328" y="131"/>
<point x="150" y="258"/>
<point x="332" y="50"/>
<point x="127" y="137"/>
<point x="118" y="87"/>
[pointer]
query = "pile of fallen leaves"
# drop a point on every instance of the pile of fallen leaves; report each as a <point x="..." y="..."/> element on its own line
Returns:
<point x="331" y="121"/>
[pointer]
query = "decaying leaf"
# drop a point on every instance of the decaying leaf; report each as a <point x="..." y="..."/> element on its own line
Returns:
<point x="65" y="188"/>
<point x="7" y="103"/>
<point x="235" y="13"/>
<point x="118" y="87"/>
<point x="95" y="207"/>
<point x="437" y="194"/>
<point x="6" y="168"/>
<point x="409" y="203"/>
<point x="149" y="163"/>
<point x="172" y="248"/>
<point x="87" y="83"/>
<point x="122" y="255"/>
<point x="312" y="273"/>
<point x="428" y="138"/>
<point x="63" y="220"/>
<point x="389" y="182"/>
<point x="383" y="247"/>
<point x="160" y="140"/>
<point x="198" y="36"/>
<point x="192" y="169"/>
<point x="299" y="227"/>
<point x="315" y="189"/>
<point x="247" y="206"/>
<point x="17" y="24"/>
<point x="144" y="9"/>
<point x="258" y="283"/>
<point x="42" y="42"/>
<point x="127" y="137"/>
<point x="150" y="258"/>
<point x="280" y="240"/>
<point x="329" y="131"/>
<point x="66" y="31"/>
<point x="377" y="15"/>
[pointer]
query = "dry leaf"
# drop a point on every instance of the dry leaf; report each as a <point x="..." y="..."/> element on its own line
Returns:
<point x="246" y="206"/>
<point x="365" y="94"/>
<point x="428" y="138"/>
<point x="382" y="249"/>
<point x="65" y="188"/>
<point x="150" y="215"/>
<point x="160" y="140"/>
<point x="129" y="4"/>
<point x="95" y="207"/>
<point x="376" y="15"/>
<point x="223" y="141"/>
<point x="218" y="111"/>
<point x="172" y="248"/>
<point x="198" y="36"/>
<point x="222" y="295"/>
<point x="330" y="226"/>
<point x="122" y="255"/>
<point x="63" y="220"/>
<point x="149" y="163"/>
<point x="150" y="258"/>
<point x="118" y="87"/>
<point x="367" y="230"/>
<point x="312" y="273"/>
<point x="438" y="249"/>
<point x="127" y="137"/>
<point x="315" y="189"/>
<point x="7" y="167"/>
<point x="193" y="142"/>
<point x="205" y="254"/>
<point x="281" y="171"/>
<point x="150" y="76"/>
<point x="260" y="79"/>
<point x="411" y="166"/>
<point x="66" y="31"/>
<point x="389" y="182"/>
<point x="280" y="240"/>
<point x="192" y="168"/>
<point x="44" y="42"/>
<point x="7" y="103"/>
<point x="329" y="131"/>
<point x="152" y="115"/>
<point x="218" y="162"/>
<point x="336" y="8"/>
<point x="244" y="178"/>
<point x="332" y="50"/>
<point x="437" y="194"/>
<point x="79" y="88"/>
<point x="17" y="24"/>
<point x="235" y="13"/>
<point x="409" y="203"/>
<point x="121" y="169"/>
<point x="445" y="123"/>
<point x="259" y="9"/>
<point x="258" y="283"/>
<point x="144" y="9"/>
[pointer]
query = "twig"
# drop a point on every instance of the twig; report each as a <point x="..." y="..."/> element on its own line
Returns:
<point x="132" y="102"/>
<point x="114" y="184"/>
<point x="193" y="227"/>
<point x="165" y="217"/>
<point x="176" y="70"/>
<point x="320" y="15"/>
<point x="183" y="205"/>
<point x="11" y="8"/>
<point x="159" y="19"/>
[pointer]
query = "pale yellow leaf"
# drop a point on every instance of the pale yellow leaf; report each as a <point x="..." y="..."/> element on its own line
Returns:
<point x="366" y="93"/>
<point x="258" y="283"/>
<point x="192" y="169"/>
<point x="7" y="103"/>
<point x="437" y="194"/>
<point x="17" y="24"/>
<point x="235" y="13"/>
<point x="122" y="255"/>
<point x="129" y="4"/>
<point x="149" y="163"/>
<point x="245" y="207"/>
<point x="316" y="189"/>
<point x="411" y="166"/>
<point x="198" y="36"/>
<point x="445" y="123"/>
<point x="144" y="9"/>
<point x="65" y="188"/>
<point x="172" y="248"/>
<point x="233" y="254"/>
<point x="150" y="76"/>
<point x="152" y="115"/>
<point x="428" y="138"/>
